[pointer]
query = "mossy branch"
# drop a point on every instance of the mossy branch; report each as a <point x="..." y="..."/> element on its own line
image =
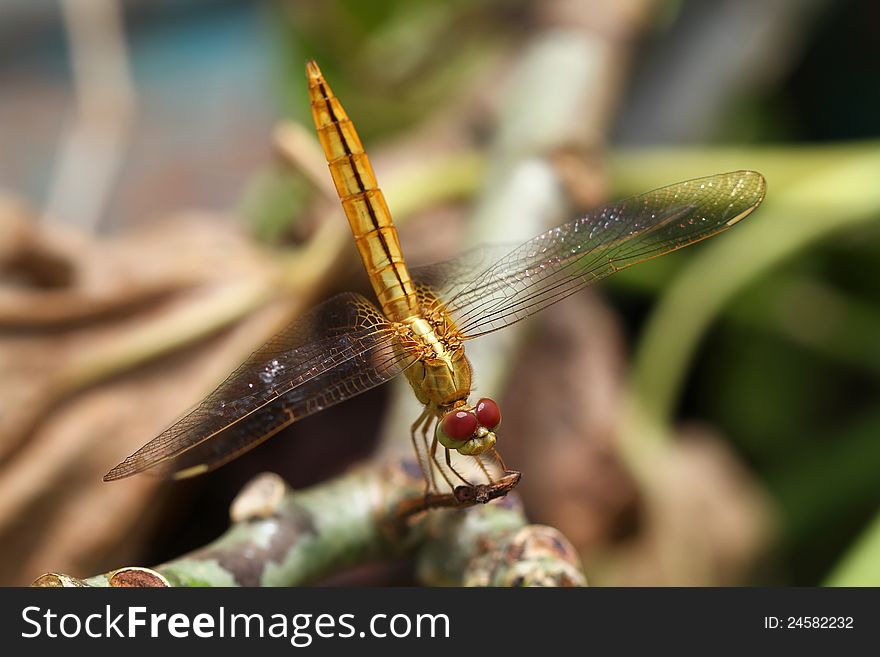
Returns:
<point x="281" y="537"/>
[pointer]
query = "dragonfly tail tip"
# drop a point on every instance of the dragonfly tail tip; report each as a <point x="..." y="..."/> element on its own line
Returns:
<point x="312" y="70"/>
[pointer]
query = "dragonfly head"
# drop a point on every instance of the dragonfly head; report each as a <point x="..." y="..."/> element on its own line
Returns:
<point x="470" y="431"/>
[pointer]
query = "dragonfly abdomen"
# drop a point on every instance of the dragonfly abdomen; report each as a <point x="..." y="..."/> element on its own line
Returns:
<point x="363" y="202"/>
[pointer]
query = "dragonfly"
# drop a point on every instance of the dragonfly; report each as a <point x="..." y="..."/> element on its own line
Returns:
<point x="424" y="317"/>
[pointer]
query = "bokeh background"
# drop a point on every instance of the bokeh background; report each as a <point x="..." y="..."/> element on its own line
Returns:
<point x="709" y="417"/>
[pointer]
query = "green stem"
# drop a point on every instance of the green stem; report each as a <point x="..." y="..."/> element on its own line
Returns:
<point x="798" y="213"/>
<point x="789" y="305"/>
<point x="860" y="566"/>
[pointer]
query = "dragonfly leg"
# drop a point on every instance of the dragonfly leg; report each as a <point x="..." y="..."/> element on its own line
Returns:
<point x="432" y="456"/>
<point x="430" y="479"/>
<point x="452" y="467"/>
<point x="424" y="466"/>
<point x="499" y="459"/>
<point x="434" y="444"/>
<point x="479" y="460"/>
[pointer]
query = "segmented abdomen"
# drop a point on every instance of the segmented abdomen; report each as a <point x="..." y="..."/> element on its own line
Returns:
<point x="363" y="201"/>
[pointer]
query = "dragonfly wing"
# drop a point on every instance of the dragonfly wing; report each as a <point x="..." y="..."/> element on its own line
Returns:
<point x="448" y="278"/>
<point x="569" y="257"/>
<point x="335" y="351"/>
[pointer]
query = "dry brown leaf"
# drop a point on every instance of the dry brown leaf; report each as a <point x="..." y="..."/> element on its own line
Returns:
<point x="705" y="521"/>
<point x="81" y="394"/>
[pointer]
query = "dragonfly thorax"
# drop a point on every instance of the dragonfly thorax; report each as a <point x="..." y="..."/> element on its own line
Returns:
<point x="442" y="375"/>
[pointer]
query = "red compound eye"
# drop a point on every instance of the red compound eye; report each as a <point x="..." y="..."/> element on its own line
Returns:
<point x="459" y="425"/>
<point x="488" y="413"/>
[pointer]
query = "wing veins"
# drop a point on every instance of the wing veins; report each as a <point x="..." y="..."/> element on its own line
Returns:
<point x="566" y="275"/>
<point x="545" y="269"/>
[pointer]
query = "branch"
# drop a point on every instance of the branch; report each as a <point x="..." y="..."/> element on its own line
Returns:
<point x="281" y="537"/>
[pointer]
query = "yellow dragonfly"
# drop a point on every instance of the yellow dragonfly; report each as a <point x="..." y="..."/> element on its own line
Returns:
<point x="347" y="345"/>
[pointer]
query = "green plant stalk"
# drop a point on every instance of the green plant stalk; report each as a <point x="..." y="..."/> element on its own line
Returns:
<point x="439" y="180"/>
<point x="860" y="566"/>
<point x="797" y="214"/>
<point x="848" y="331"/>
<point x="828" y="484"/>
<point x="635" y="170"/>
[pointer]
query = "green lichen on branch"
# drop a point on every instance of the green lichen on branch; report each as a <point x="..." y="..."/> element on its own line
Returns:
<point x="281" y="537"/>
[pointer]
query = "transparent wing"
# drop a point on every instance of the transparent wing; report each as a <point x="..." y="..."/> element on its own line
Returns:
<point x="569" y="257"/>
<point x="446" y="279"/>
<point x="336" y="351"/>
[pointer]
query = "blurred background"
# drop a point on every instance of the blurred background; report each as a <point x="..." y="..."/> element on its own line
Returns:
<point x="707" y="418"/>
